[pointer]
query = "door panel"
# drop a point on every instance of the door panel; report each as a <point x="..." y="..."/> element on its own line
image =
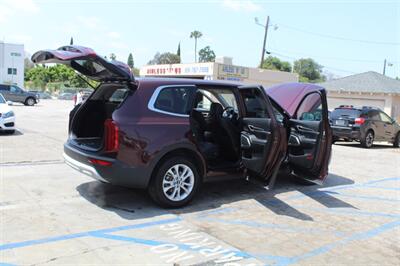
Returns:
<point x="310" y="138"/>
<point x="263" y="138"/>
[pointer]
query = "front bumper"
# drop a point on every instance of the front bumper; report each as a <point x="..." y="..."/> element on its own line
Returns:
<point x="345" y="133"/>
<point x="7" y="123"/>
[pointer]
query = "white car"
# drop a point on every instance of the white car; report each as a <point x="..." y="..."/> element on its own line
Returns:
<point x="7" y="116"/>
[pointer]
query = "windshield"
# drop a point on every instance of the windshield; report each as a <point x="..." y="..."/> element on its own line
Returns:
<point x="2" y="100"/>
<point x="351" y="113"/>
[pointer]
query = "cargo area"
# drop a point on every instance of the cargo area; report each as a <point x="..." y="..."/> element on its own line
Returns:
<point x="87" y="121"/>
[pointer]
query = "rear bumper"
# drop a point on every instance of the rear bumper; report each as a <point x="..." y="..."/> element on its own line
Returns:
<point x="345" y="133"/>
<point x="118" y="173"/>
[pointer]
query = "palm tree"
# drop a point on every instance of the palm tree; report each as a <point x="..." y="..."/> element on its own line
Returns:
<point x="195" y="34"/>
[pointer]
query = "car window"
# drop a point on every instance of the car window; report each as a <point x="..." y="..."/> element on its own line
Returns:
<point x="385" y="118"/>
<point x="374" y="115"/>
<point x="119" y="95"/>
<point x="202" y="102"/>
<point x="174" y="100"/>
<point x="310" y="108"/>
<point x="2" y="100"/>
<point x="4" y="87"/>
<point x="15" y="89"/>
<point x="254" y="102"/>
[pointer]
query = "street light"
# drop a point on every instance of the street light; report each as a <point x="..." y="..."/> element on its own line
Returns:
<point x="266" y="26"/>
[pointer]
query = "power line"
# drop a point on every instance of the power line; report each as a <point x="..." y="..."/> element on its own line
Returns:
<point x="330" y="58"/>
<point x="336" y="37"/>
<point x="328" y="67"/>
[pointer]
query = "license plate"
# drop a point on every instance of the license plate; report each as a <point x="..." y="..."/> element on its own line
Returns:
<point x="340" y="122"/>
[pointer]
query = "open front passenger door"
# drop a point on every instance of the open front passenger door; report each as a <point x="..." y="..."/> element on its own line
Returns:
<point x="310" y="137"/>
<point x="263" y="138"/>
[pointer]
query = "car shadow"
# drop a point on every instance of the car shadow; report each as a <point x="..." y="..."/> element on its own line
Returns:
<point x="376" y="146"/>
<point x="8" y="134"/>
<point x="134" y="203"/>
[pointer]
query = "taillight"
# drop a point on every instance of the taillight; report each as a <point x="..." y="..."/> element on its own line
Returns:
<point x="359" y="120"/>
<point x="111" y="136"/>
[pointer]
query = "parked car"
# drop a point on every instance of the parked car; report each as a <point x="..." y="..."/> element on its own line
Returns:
<point x="7" y="116"/>
<point x="16" y="94"/>
<point x="41" y="94"/>
<point x="170" y="135"/>
<point x="66" y="96"/>
<point x="365" y="125"/>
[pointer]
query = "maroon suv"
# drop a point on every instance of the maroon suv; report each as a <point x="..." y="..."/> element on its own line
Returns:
<point x="170" y="135"/>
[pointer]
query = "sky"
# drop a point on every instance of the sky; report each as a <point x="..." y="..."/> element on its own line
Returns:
<point x="346" y="37"/>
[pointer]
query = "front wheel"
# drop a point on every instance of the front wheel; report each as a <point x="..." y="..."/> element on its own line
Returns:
<point x="174" y="182"/>
<point x="396" y="142"/>
<point x="368" y="140"/>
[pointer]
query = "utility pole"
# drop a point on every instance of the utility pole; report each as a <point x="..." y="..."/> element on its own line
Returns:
<point x="265" y="41"/>
<point x="384" y="67"/>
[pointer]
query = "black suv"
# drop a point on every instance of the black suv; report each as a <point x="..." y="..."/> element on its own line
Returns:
<point x="16" y="94"/>
<point x="365" y="125"/>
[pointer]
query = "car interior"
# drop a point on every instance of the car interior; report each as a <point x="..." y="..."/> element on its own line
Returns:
<point x="87" y="128"/>
<point x="215" y="124"/>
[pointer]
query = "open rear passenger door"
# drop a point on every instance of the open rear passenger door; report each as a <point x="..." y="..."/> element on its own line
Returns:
<point x="310" y="137"/>
<point x="263" y="139"/>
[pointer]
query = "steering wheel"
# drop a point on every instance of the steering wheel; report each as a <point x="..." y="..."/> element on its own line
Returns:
<point x="228" y="112"/>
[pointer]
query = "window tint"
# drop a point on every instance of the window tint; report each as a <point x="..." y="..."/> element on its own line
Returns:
<point x="255" y="104"/>
<point x="385" y="118"/>
<point x="15" y="89"/>
<point x="4" y="88"/>
<point x="374" y="115"/>
<point x="174" y="100"/>
<point x="228" y="98"/>
<point x="343" y="112"/>
<point x="310" y="109"/>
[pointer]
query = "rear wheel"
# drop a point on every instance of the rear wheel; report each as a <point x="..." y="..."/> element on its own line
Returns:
<point x="396" y="142"/>
<point x="30" y="101"/>
<point x="368" y="140"/>
<point x="174" y="183"/>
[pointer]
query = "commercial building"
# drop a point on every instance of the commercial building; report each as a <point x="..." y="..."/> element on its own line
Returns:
<point x="12" y="63"/>
<point x="365" y="89"/>
<point x="221" y="69"/>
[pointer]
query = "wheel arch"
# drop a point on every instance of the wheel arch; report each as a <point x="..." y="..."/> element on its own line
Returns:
<point x="187" y="153"/>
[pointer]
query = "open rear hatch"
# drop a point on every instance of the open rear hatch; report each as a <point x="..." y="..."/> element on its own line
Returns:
<point x="85" y="61"/>
<point x="91" y="126"/>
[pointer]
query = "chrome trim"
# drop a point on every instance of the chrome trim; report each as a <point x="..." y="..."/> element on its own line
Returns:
<point x="83" y="168"/>
<point x="153" y="99"/>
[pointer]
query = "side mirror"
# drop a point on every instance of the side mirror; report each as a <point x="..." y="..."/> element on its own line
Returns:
<point x="9" y="102"/>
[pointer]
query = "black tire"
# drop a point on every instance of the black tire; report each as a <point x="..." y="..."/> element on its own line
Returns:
<point x="156" y="189"/>
<point x="396" y="142"/>
<point x="10" y="132"/>
<point x="30" y="101"/>
<point x="368" y="140"/>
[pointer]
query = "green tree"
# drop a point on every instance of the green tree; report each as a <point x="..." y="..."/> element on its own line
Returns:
<point x="130" y="61"/>
<point x="113" y="57"/>
<point x="308" y="70"/>
<point x="164" y="58"/>
<point x="274" y="63"/>
<point x="178" y="52"/>
<point x="196" y="35"/>
<point x="206" y="55"/>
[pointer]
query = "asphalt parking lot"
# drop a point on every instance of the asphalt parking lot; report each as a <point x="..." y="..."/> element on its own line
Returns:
<point x="51" y="214"/>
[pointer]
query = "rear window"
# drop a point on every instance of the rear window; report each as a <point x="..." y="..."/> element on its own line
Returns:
<point x="353" y="113"/>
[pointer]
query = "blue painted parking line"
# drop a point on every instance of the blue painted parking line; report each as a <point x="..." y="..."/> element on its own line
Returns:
<point x="86" y="234"/>
<point x="287" y="228"/>
<point x="355" y="237"/>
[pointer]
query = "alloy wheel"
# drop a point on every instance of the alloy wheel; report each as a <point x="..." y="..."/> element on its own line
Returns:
<point x="369" y="139"/>
<point x="178" y="182"/>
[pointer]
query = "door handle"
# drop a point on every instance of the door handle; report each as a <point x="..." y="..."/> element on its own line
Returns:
<point x="303" y="128"/>
<point x="253" y="128"/>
